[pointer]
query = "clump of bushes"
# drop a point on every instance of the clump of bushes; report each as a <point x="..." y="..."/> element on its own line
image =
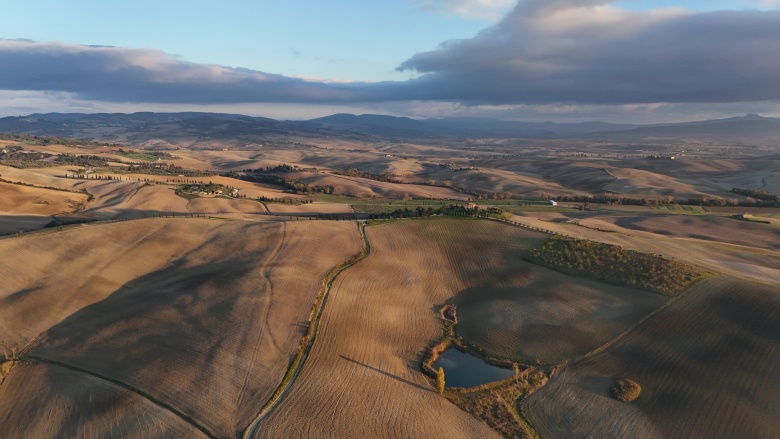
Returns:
<point x="615" y="265"/>
<point x="626" y="390"/>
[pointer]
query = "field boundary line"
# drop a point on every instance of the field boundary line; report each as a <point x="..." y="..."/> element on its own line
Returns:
<point x="188" y="419"/>
<point x="307" y="342"/>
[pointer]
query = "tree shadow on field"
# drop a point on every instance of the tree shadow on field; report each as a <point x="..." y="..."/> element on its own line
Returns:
<point x="596" y="384"/>
<point x="387" y="374"/>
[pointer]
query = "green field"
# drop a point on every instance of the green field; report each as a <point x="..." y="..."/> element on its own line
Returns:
<point x="678" y="208"/>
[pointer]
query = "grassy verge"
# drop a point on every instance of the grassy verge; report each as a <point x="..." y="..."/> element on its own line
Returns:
<point x="499" y="407"/>
<point x="750" y="219"/>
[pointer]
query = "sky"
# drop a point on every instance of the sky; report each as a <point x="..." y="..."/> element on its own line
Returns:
<point x="635" y="61"/>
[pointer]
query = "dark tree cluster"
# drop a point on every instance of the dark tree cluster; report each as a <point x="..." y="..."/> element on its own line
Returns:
<point x="615" y="199"/>
<point x="456" y="210"/>
<point x="615" y="265"/>
<point x="758" y="194"/>
<point x="52" y="140"/>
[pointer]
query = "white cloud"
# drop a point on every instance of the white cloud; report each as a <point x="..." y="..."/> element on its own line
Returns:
<point x="478" y="9"/>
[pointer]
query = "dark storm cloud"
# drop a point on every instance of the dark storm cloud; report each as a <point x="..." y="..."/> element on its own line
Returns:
<point x="589" y="52"/>
<point x="544" y="51"/>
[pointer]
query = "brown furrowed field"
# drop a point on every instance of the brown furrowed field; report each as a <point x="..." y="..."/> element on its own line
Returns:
<point x="120" y="321"/>
<point x="10" y="224"/>
<point x="363" y="187"/>
<point x="79" y="405"/>
<point x="247" y="188"/>
<point x="40" y="176"/>
<point x="16" y="198"/>
<point x="708" y="365"/>
<point x="710" y="228"/>
<point x="199" y="316"/>
<point x="550" y="317"/>
<point x="362" y="378"/>
<point x="749" y="263"/>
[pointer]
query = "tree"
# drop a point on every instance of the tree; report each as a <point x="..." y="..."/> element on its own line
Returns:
<point x="440" y="380"/>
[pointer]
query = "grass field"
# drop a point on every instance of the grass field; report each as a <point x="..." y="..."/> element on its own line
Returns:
<point x="548" y="317"/>
<point x="708" y="366"/>
<point x="678" y="208"/>
<point x="201" y="315"/>
<point x="308" y="209"/>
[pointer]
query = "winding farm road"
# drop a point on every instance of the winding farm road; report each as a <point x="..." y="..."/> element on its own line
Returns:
<point x="297" y="363"/>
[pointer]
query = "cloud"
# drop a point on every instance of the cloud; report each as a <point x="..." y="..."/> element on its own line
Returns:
<point x="768" y="3"/>
<point x="479" y="9"/>
<point x="542" y="54"/>
<point x="589" y="51"/>
<point x="144" y="75"/>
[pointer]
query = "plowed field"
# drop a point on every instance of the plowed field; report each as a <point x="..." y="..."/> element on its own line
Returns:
<point x="709" y="366"/>
<point x="362" y="378"/>
<point x="202" y="316"/>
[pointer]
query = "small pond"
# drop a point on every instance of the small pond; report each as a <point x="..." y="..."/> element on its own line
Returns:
<point x="465" y="370"/>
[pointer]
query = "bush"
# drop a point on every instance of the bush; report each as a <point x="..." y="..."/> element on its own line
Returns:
<point x="626" y="390"/>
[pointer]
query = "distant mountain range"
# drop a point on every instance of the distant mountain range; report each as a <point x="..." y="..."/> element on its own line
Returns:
<point x="749" y="128"/>
<point x="456" y="127"/>
<point x="133" y="127"/>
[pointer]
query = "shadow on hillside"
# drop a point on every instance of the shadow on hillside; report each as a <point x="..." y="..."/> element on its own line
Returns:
<point x="175" y="331"/>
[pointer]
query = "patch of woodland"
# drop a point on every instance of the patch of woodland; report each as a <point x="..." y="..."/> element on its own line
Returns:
<point x="53" y="140"/>
<point x="616" y="265"/>
<point x="146" y="155"/>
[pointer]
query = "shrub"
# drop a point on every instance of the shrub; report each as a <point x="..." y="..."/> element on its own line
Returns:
<point x="626" y="390"/>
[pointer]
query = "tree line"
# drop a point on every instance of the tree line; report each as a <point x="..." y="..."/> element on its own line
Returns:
<point x="751" y="201"/>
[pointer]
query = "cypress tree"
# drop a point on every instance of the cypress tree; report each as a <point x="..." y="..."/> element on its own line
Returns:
<point x="440" y="380"/>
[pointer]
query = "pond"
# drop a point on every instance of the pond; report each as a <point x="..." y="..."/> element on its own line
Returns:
<point x="465" y="370"/>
